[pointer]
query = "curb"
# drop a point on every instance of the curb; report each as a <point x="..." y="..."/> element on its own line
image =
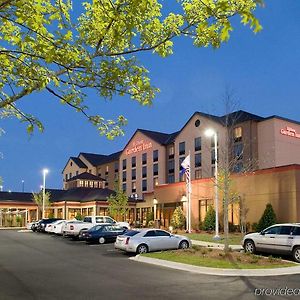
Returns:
<point x="217" y="271"/>
<point x="216" y="245"/>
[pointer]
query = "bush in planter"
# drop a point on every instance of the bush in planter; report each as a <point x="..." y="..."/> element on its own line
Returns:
<point x="178" y="218"/>
<point x="79" y="217"/>
<point x="150" y="218"/>
<point x="18" y="220"/>
<point x="209" y="222"/>
<point x="267" y="219"/>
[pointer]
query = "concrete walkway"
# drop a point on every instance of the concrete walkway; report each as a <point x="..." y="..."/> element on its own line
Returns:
<point x="218" y="271"/>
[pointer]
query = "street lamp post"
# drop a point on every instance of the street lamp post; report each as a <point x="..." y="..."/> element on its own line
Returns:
<point x="154" y="210"/>
<point x="23" y="185"/>
<point x="45" y="171"/>
<point x="210" y="133"/>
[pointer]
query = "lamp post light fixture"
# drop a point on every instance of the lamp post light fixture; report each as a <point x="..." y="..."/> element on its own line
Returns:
<point x="210" y="133"/>
<point x="155" y="207"/>
<point x="45" y="172"/>
<point x="23" y="182"/>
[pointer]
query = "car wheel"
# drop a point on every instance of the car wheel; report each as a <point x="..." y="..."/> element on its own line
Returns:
<point x="183" y="245"/>
<point x="249" y="246"/>
<point x="101" y="240"/>
<point x="142" y="249"/>
<point x="296" y="254"/>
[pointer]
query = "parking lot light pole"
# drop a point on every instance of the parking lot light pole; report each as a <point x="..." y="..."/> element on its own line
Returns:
<point x="45" y="172"/>
<point x="210" y="133"/>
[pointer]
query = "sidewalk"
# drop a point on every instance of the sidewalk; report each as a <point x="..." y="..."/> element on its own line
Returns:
<point x="216" y="245"/>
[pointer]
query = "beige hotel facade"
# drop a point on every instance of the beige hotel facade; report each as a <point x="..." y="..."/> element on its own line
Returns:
<point x="148" y="170"/>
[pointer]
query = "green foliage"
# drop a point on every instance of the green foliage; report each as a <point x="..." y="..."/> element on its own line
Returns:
<point x="178" y="218"/>
<point x="48" y="46"/>
<point x="18" y="220"/>
<point x="51" y="215"/>
<point x="149" y="218"/>
<point x="118" y="203"/>
<point x="79" y="217"/>
<point x="38" y="199"/>
<point x="267" y="219"/>
<point x="209" y="222"/>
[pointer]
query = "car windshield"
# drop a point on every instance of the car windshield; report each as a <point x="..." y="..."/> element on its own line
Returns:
<point x="131" y="232"/>
<point x="96" y="228"/>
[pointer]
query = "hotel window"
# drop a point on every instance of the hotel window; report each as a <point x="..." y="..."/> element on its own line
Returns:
<point x="198" y="144"/>
<point x="197" y="160"/>
<point x="133" y="187"/>
<point x="171" y="179"/>
<point x="181" y="159"/>
<point x="155" y="169"/>
<point x="90" y="171"/>
<point x="155" y="181"/>
<point x="91" y="184"/>
<point x="133" y="174"/>
<point x="144" y="185"/>
<point x="106" y="183"/>
<point x="171" y="152"/>
<point x="106" y="170"/>
<point x="213" y="159"/>
<point x="144" y="158"/>
<point x="116" y="177"/>
<point x="80" y="183"/>
<point x="95" y="184"/>
<point x="71" y="164"/>
<point x="238" y="150"/>
<point x="237" y="134"/>
<point x="212" y="171"/>
<point x="155" y="155"/>
<point x="99" y="174"/>
<point x="70" y="176"/>
<point x="133" y="162"/>
<point x="182" y="148"/>
<point x="124" y="176"/>
<point x="212" y="141"/>
<point x="66" y="176"/>
<point x="86" y="183"/>
<point x="144" y="172"/>
<point x="124" y="164"/>
<point x="171" y="166"/>
<point x="181" y="175"/>
<point x="77" y="173"/>
<point x="198" y="174"/>
<point x="116" y="166"/>
<point x="238" y="167"/>
<point x="124" y="187"/>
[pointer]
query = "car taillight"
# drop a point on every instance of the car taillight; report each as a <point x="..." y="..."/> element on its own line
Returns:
<point x="127" y="241"/>
<point x="71" y="227"/>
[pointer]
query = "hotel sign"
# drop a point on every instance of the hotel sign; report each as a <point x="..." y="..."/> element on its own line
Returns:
<point x="138" y="146"/>
<point x="289" y="131"/>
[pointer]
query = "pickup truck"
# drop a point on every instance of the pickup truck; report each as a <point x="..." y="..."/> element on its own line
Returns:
<point x="74" y="228"/>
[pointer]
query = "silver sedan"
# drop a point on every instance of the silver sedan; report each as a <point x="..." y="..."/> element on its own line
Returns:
<point x="146" y="240"/>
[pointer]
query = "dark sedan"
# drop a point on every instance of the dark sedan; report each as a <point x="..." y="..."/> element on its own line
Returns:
<point x="103" y="233"/>
<point x="41" y="225"/>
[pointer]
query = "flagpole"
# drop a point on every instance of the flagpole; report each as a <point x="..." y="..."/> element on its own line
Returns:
<point x="189" y="199"/>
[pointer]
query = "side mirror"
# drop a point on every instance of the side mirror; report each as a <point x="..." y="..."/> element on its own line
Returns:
<point x="262" y="233"/>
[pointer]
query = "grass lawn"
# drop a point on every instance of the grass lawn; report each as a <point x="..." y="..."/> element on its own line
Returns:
<point x="200" y="256"/>
<point x="234" y="238"/>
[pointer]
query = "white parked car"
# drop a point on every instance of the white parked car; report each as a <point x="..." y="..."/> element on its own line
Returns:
<point x="29" y="225"/>
<point x="55" y="227"/>
<point x="75" y="228"/>
<point x="279" y="238"/>
<point x="146" y="240"/>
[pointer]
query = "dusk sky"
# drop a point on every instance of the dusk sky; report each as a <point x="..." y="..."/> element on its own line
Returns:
<point x="262" y="69"/>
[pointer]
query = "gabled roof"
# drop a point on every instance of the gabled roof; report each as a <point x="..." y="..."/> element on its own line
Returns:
<point x="239" y="117"/>
<point x="79" y="162"/>
<point x="16" y="197"/>
<point x="92" y="158"/>
<point x="86" y="176"/>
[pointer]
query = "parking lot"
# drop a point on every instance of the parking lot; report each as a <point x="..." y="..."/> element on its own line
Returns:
<point x="42" y="266"/>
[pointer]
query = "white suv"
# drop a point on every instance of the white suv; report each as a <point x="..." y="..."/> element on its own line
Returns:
<point x="278" y="238"/>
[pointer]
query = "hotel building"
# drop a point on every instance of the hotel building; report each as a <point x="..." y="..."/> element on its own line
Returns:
<point x="266" y="169"/>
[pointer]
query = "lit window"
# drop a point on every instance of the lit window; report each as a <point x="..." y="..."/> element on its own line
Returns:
<point x="133" y="187"/>
<point x="91" y="184"/>
<point x="155" y="181"/>
<point x="106" y="170"/>
<point x="80" y="183"/>
<point x="237" y="134"/>
<point x="198" y="174"/>
<point x="86" y="183"/>
<point x="171" y="152"/>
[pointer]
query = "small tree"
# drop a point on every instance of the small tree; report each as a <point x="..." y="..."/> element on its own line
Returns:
<point x="209" y="222"/>
<point x="38" y="199"/>
<point x="18" y="220"/>
<point x="178" y="218"/>
<point x="79" y="217"/>
<point x="267" y="219"/>
<point x="150" y="217"/>
<point x="118" y="203"/>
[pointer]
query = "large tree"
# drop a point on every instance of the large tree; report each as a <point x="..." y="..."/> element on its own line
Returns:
<point x="46" y="45"/>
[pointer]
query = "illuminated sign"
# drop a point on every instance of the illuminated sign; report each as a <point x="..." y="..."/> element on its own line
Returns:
<point x="289" y="131"/>
<point x="138" y="146"/>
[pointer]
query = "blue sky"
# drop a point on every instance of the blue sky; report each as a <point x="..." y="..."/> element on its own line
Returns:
<point x="262" y="69"/>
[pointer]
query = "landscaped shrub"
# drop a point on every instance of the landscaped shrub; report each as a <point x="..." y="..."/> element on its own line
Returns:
<point x="267" y="219"/>
<point x="209" y="222"/>
<point x="79" y="217"/>
<point x="178" y="218"/>
<point x="149" y="218"/>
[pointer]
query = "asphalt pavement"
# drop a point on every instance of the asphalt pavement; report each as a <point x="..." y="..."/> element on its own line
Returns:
<point x="41" y="266"/>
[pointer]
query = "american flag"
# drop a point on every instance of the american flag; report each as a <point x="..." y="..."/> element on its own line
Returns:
<point x="186" y="166"/>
